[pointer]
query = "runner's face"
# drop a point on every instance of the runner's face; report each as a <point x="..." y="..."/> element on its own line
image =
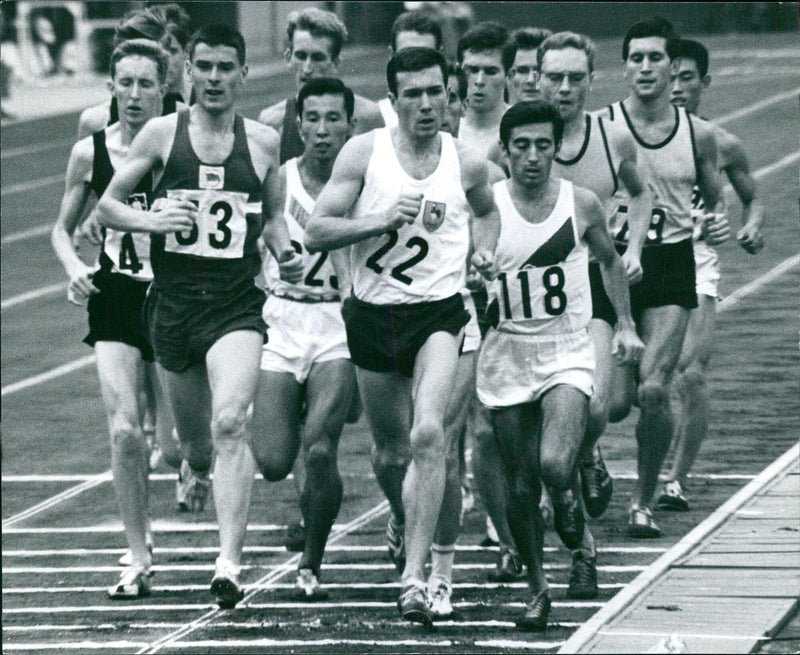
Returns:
<point x="486" y="78"/>
<point x="136" y="88"/>
<point x="177" y="62"/>
<point x="523" y="79"/>
<point x="310" y="57"/>
<point x="217" y="77"/>
<point x="455" y="107"/>
<point x="411" y="39"/>
<point x="324" y="126"/>
<point x="531" y="149"/>
<point x="565" y="80"/>
<point x="647" y="68"/>
<point x="686" y="85"/>
<point x="421" y="100"/>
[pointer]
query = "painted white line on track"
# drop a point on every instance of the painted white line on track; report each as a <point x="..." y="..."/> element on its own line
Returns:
<point x="22" y="187"/>
<point x="41" y="292"/>
<point x="64" y="369"/>
<point x="22" y="151"/>
<point x="155" y="526"/>
<point x="742" y="292"/>
<point x="519" y="645"/>
<point x="755" y="107"/>
<point x="37" y="231"/>
<point x="684" y="635"/>
<point x="74" y="645"/>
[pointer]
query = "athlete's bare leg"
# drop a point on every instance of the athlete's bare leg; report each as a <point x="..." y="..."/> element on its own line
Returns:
<point x="602" y="335"/>
<point x="165" y="424"/>
<point x="275" y="432"/>
<point x="662" y="329"/>
<point x="329" y="390"/>
<point x="120" y="369"/>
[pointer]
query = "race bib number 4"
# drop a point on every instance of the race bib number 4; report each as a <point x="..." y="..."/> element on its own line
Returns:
<point x="221" y="225"/>
<point x="130" y="253"/>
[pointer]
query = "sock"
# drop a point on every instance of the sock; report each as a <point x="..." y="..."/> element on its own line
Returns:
<point x="442" y="562"/>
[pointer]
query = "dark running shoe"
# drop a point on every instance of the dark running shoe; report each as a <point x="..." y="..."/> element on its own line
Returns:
<point x="582" y="577"/>
<point x="568" y="520"/>
<point x="596" y="484"/>
<point x="509" y="566"/>
<point x="225" y="586"/>
<point x="641" y="524"/>
<point x="396" y="543"/>
<point x="672" y="498"/>
<point x="295" y="538"/>
<point x="413" y="606"/>
<point x="536" y="613"/>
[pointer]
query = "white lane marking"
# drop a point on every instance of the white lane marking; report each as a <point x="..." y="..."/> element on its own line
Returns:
<point x="37" y="231"/>
<point x="686" y="635"/>
<point x="41" y="292"/>
<point x="30" y="185"/>
<point x="55" y="500"/>
<point x="57" y="372"/>
<point x="74" y="645"/>
<point x="756" y="106"/>
<point x="742" y="292"/>
<point x="22" y="151"/>
<point x="788" y="160"/>
<point x="156" y="526"/>
<point x="520" y="645"/>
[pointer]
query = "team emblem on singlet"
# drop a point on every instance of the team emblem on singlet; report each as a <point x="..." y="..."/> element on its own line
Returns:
<point x="433" y="214"/>
<point x="211" y="177"/>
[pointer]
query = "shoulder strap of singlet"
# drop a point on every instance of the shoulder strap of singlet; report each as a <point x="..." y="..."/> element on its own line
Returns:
<point x="610" y="112"/>
<point x="113" y="111"/>
<point x="694" y="144"/>
<point x="608" y="152"/>
<point x="291" y="143"/>
<point x="102" y="170"/>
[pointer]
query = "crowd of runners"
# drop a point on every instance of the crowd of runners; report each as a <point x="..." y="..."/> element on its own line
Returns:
<point x="475" y="263"/>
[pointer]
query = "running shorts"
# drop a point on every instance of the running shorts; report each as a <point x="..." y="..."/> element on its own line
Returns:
<point x="706" y="262"/>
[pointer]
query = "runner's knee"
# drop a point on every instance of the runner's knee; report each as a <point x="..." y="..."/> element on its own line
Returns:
<point x="126" y="439"/>
<point x="389" y="455"/>
<point x="320" y="457"/>
<point x="228" y="426"/>
<point x="556" y="468"/>
<point x="427" y="441"/>
<point x="653" y="396"/>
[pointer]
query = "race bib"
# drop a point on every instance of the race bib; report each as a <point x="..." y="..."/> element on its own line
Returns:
<point x="129" y="253"/>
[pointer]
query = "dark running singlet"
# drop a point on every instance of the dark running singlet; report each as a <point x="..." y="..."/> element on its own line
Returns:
<point x="220" y="253"/>
<point x="127" y="253"/>
<point x="171" y="101"/>
<point x="291" y="143"/>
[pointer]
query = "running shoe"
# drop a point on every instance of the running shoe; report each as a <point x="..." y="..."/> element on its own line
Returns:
<point x="414" y="606"/>
<point x="440" y="599"/>
<point x="396" y="543"/>
<point x="509" y="566"/>
<point x="536" y="613"/>
<point x="641" y="524"/>
<point x="192" y="489"/>
<point x="126" y="559"/>
<point x="568" y="519"/>
<point x="295" y="538"/>
<point x="596" y="483"/>
<point x="133" y="583"/>
<point x="582" y="577"/>
<point x="672" y="498"/>
<point x="308" y="586"/>
<point x="225" y="585"/>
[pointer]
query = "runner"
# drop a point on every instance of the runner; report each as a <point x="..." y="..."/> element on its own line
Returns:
<point x="410" y="190"/>
<point x="115" y="291"/>
<point x="690" y="79"/>
<point x="535" y="370"/>
<point x="216" y="191"/>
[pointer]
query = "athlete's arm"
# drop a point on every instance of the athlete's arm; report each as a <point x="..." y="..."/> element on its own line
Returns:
<point x="627" y="347"/>
<point x="276" y="231"/>
<point x="76" y="194"/>
<point x="737" y="168"/>
<point x="93" y="119"/>
<point x="485" y="215"/>
<point x="331" y="226"/>
<point x="146" y="153"/>
<point x="715" y="228"/>
<point x="273" y="116"/>
<point x="367" y="116"/>
<point x="640" y="205"/>
<point x="340" y="259"/>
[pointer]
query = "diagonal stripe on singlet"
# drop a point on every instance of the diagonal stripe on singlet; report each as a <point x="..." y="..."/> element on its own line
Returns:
<point x="555" y="249"/>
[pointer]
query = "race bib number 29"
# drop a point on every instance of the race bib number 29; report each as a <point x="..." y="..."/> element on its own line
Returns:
<point x="221" y="225"/>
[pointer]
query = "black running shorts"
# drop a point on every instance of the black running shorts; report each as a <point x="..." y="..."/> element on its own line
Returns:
<point x="115" y="314"/>
<point x="386" y="338"/>
<point x="184" y="329"/>
<point x="601" y="304"/>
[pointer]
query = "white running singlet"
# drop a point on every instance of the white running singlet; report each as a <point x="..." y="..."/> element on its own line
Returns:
<point x="543" y="285"/>
<point x="387" y="112"/>
<point x="422" y="261"/>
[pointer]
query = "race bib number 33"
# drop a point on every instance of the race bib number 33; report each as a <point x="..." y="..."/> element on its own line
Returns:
<point x="221" y="225"/>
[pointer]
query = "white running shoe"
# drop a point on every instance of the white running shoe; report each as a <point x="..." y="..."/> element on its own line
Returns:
<point x="191" y="490"/>
<point x="440" y="595"/>
<point x="133" y="583"/>
<point x="126" y="559"/>
<point x="309" y="587"/>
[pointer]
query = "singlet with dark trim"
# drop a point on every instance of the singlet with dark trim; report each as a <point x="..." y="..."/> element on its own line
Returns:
<point x="593" y="167"/>
<point x="171" y="101"/>
<point x="291" y="143"/>
<point x="671" y="170"/>
<point x="127" y="253"/>
<point x="220" y="253"/>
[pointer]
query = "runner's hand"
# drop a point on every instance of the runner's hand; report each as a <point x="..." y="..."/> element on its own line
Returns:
<point x="404" y="211"/>
<point x="483" y="261"/>
<point x="290" y="266"/>
<point x="633" y="267"/>
<point x="176" y="216"/>
<point x="626" y="346"/>
<point x="81" y="286"/>
<point x="91" y="230"/>
<point x="715" y="228"/>
<point x="750" y="238"/>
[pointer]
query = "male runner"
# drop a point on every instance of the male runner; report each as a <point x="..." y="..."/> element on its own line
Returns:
<point x="535" y="370"/>
<point x="410" y="190"/>
<point x="116" y="292"/>
<point x="314" y="40"/>
<point x="599" y="156"/>
<point x="412" y="29"/>
<point x="169" y="26"/>
<point x="675" y="152"/>
<point x="690" y="79"/>
<point x="306" y="359"/>
<point x="480" y="54"/>
<point x="217" y="190"/>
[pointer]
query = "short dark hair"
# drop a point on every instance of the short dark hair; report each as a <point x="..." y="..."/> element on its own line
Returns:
<point x="562" y="40"/>
<point x="178" y="22"/>
<point x="454" y="70"/>
<point x="318" y="23"/>
<point x="688" y="49"/>
<point x="655" y="26"/>
<point x="321" y="86"/>
<point x="525" y="113"/>
<point x="215" y="34"/>
<point x="410" y="60"/>
<point x="489" y="35"/>
<point x="416" y="21"/>
<point x="525" y="38"/>
<point x="141" y="24"/>
<point x="142" y="48"/>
